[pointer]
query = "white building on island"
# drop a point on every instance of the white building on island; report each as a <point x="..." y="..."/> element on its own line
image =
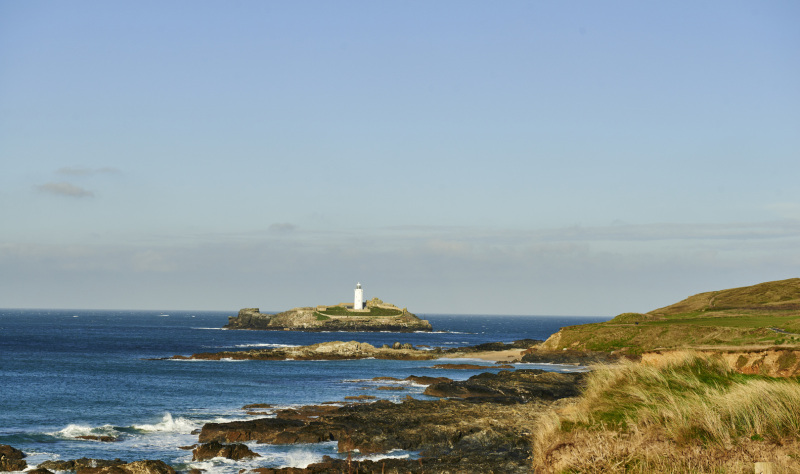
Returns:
<point x="358" y="302"/>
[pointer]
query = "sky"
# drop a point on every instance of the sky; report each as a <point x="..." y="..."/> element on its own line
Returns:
<point x="467" y="157"/>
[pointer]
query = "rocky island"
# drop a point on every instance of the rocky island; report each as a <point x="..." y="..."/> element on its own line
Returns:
<point x="376" y="316"/>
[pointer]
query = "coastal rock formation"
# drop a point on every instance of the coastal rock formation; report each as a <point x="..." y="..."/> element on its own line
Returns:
<point x="136" y="467"/>
<point x="335" y="350"/>
<point x="568" y="356"/>
<point x="377" y="317"/>
<point x="75" y="464"/>
<point x="485" y="433"/>
<point x="518" y="386"/>
<point x="215" y="449"/>
<point x="11" y="459"/>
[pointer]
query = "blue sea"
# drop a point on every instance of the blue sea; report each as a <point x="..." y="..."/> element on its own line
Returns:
<point x="70" y="373"/>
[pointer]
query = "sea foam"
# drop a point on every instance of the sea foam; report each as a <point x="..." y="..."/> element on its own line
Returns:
<point x="170" y="425"/>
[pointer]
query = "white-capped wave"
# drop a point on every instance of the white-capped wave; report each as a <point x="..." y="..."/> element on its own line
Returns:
<point x="75" y="430"/>
<point x="170" y="425"/>
<point x="393" y="454"/>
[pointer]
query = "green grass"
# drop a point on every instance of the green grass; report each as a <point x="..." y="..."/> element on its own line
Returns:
<point x="697" y="399"/>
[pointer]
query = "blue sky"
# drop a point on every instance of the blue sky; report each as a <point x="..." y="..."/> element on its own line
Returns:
<point x="559" y="158"/>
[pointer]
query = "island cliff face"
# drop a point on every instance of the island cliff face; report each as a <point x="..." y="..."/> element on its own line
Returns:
<point x="378" y="316"/>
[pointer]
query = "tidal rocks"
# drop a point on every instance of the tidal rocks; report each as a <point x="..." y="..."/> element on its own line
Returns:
<point x="136" y="467"/>
<point x="11" y="459"/>
<point x="489" y="436"/>
<point x="335" y="350"/>
<point x="319" y="319"/>
<point x="82" y="463"/>
<point x="521" y="344"/>
<point x="518" y="386"/>
<point x="569" y="356"/>
<point x="215" y="449"/>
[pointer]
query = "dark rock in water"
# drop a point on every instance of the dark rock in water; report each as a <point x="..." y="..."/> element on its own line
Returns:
<point x="136" y="467"/>
<point x="105" y="439"/>
<point x="214" y="449"/>
<point x="265" y="430"/>
<point x="521" y="344"/>
<point x="508" y="386"/>
<point x="75" y="464"/>
<point x="425" y="380"/>
<point x="11" y="459"/>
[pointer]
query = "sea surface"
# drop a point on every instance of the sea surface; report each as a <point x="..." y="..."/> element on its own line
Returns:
<point x="70" y="373"/>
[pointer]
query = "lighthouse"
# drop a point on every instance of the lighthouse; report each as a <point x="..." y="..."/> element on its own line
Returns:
<point x="358" y="302"/>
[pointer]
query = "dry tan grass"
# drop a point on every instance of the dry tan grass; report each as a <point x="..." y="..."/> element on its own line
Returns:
<point x="687" y="414"/>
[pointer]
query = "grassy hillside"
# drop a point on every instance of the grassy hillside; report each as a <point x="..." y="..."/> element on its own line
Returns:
<point x="767" y="314"/>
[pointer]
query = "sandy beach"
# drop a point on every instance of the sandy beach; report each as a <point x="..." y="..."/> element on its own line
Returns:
<point x="494" y="356"/>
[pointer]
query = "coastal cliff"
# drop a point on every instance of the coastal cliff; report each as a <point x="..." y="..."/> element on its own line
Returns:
<point x="378" y="316"/>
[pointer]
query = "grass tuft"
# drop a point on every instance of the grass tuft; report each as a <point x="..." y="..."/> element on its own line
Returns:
<point x="687" y="404"/>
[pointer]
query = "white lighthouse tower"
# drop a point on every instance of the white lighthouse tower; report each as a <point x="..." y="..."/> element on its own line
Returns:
<point x="358" y="302"/>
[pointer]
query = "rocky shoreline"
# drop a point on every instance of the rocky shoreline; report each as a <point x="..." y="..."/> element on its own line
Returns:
<point x="482" y="424"/>
<point x="353" y="350"/>
<point x="478" y="425"/>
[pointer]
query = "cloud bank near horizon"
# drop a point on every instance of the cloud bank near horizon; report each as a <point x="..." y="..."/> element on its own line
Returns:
<point x="568" y="271"/>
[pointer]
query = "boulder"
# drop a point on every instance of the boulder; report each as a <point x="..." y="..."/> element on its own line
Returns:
<point x="11" y="459"/>
<point x="215" y="449"/>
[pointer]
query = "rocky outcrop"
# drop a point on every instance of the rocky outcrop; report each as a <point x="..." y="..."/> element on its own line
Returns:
<point x="325" y="319"/>
<point x="518" y="386"/>
<point x="215" y="449"/>
<point x="335" y="350"/>
<point x="522" y="344"/>
<point x="136" y="467"/>
<point x="75" y="464"/>
<point x="568" y="356"/>
<point x="487" y="432"/>
<point x="11" y="459"/>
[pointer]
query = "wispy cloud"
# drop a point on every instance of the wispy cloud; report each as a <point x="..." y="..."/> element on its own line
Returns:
<point x="282" y="227"/>
<point x="83" y="171"/>
<point x="64" y="189"/>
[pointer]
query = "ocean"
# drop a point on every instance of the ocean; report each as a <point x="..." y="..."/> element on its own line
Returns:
<point x="70" y="373"/>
